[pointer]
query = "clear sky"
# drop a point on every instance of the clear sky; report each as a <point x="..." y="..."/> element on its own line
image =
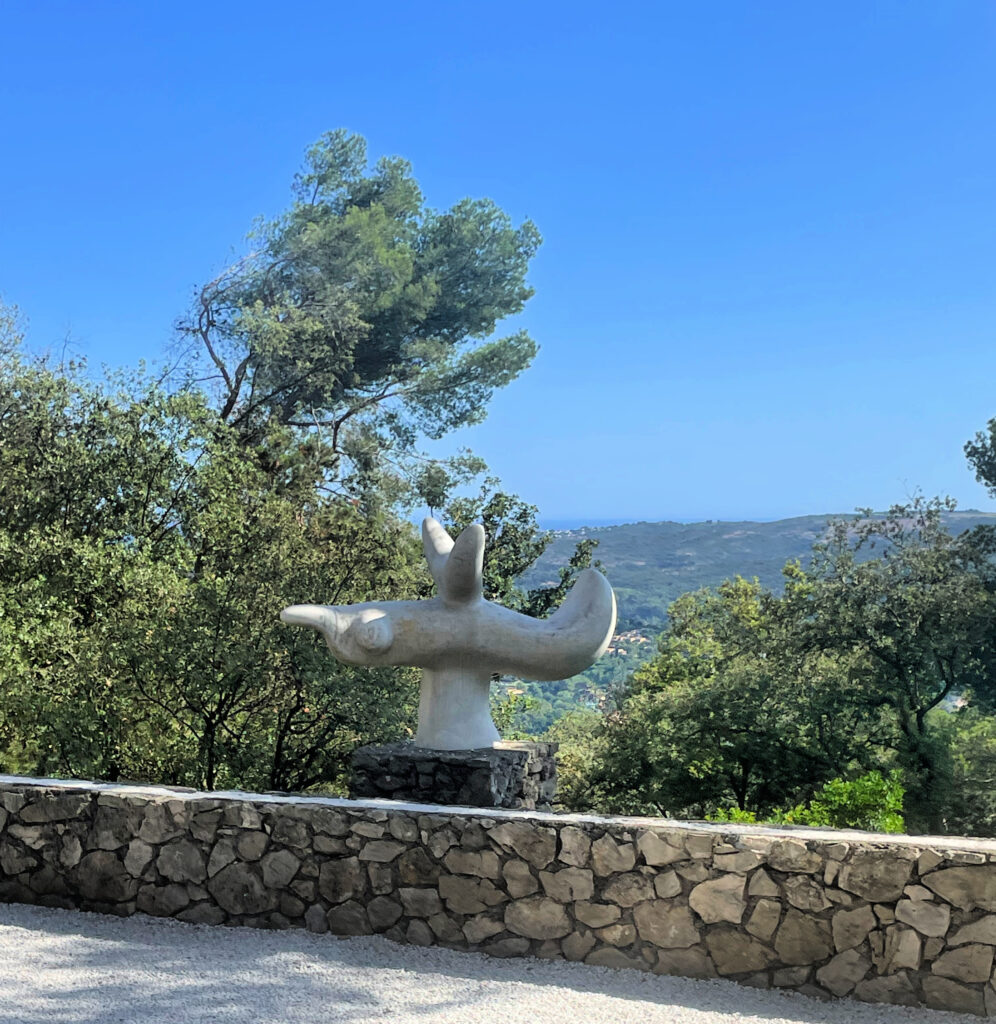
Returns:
<point x="767" y="283"/>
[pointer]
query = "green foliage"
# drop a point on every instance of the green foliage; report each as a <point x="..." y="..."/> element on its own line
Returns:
<point x="144" y="557"/>
<point x="362" y="320"/>
<point x="916" y="622"/>
<point x="724" y="716"/>
<point x="872" y="802"/>
<point x="967" y="737"/>
<point x="830" y="698"/>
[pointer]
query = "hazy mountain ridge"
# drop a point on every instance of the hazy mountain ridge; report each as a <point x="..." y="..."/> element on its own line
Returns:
<point x="651" y="564"/>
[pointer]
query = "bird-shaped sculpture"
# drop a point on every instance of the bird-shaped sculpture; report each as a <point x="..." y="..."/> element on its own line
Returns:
<point x="460" y="640"/>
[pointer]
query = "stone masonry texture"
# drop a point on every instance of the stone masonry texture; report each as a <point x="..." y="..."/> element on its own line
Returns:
<point x="508" y="774"/>
<point x="894" y="919"/>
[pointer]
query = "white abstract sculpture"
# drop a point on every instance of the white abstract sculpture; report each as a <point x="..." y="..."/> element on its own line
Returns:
<point x="459" y="640"/>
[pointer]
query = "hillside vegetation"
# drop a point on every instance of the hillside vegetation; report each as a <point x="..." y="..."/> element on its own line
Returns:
<point x="652" y="564"/>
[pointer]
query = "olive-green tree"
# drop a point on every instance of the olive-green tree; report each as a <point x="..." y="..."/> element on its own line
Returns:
<point x="363" y="319"/>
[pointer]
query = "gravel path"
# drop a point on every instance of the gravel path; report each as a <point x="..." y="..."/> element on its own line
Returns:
<point x="60" y="966"/>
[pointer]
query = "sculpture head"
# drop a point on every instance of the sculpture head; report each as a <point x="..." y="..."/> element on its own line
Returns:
<point x="458" y="633"/>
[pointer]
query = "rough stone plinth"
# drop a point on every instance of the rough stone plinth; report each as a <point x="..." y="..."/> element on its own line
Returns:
<point x="507" y="774"/>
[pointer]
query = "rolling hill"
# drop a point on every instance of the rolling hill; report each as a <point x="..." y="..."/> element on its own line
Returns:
<point x="650" y="564"/>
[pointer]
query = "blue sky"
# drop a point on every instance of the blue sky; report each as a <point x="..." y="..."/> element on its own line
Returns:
<point x="767" y="282"/>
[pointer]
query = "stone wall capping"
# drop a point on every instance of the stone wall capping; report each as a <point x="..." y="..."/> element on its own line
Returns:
<point x="831" y="914"/>
<point x="662" y="826"/>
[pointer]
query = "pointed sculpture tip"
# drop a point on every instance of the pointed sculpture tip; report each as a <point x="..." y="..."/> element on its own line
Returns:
<point x="313" y="615"/>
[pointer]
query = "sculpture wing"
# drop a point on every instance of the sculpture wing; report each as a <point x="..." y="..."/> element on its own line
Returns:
<point x="437" y="544"/>
<point x="456" y="566"/>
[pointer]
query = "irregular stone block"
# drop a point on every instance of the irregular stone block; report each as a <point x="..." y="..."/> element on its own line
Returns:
<point x="519" y="879"/>
<point x="182" y="861"/>
<point x="341" y="880"/>
<point x="805" y="893"/>
<point x="465" y="895"/>
<point x="419" y="933"/>
<point x="618" y="934"/>
<point x="965" y="887"/>
<point x="720" y="899"/>
<point x="239" y="890"/>
<point x="698" y="845"/>
<point x="761" y="884"/>
<point x="477" y="929"/>
<point x="162" y="900"/>
<point x="764" y="919"/>
<point x="350" y="919"/>
<point x="790" y="977"/>
<point x="533" y="843"/>
<point x="446" y="929"/>
<point x="685" y="963"/>
<point x="506" y="947"/>
<point x="667" y="884"/>
<point x="250" y="845"/>
<point x="926" y="918"/>
<point x="658" y="852"/>
<point x="945" y="994"/>
<point x="983" y="930"/>
<point x="735" y="953"/>
<point x="55" y="807"/>
<point x="482" y="863"/>
<point x="665" y="924"/>
<point x="967" y="963"/>
<point x="596" y="915"/>
<point x="740" y="863"/>
<point x="851" y="927"/>
<point x="794" y="855"/>
<point x="204" y="913"/>
<point x="72" y="851"/>
<point x="416" y="868"/>
<point x="575" y="847"/>
<point x="368" y="829"/>
<point x="609" y="857"/>
<point x="382" y="913"/>
<point x="383" y="851"/>
<point x="627" y="890"/>
<point x="289" y="831"/>
<point x="421" y="902"/>
<point x="895" y="988"/>
<point x="843" y="972"/>
<point x="697" y="871"/>
<point x="876" y="875"/>
<point x="537" y="917"/>
<point x="578" y="945"/>
<point x="902" y="950"/>
<point x="279" y="868"/>
<point x="138" y="857"/>
<point x="101" y="877"/>
<point x="802" y="939"/>
<point x="159" y="824"/>
<point x="568" y="884"/>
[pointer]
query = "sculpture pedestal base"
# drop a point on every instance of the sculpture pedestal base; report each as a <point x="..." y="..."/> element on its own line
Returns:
<point x="508" y="774"/>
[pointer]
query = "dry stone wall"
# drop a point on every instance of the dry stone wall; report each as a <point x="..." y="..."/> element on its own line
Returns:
<point x="904" y="920"/>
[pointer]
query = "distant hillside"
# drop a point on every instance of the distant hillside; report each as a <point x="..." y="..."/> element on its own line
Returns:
<point x="650" y="564"/>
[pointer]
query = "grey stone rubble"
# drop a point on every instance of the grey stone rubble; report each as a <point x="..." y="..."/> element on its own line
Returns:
<point x="506" y="774"/>
<point x="905" y="920"/>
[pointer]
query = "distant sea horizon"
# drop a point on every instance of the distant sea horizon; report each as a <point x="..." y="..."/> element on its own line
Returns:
<point x="576" y="523"/>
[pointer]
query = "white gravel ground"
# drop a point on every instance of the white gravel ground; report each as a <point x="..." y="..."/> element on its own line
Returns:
<point x="63" y="966"/>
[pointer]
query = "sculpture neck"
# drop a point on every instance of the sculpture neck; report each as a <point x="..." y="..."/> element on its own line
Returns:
<point x="454" y="711"/>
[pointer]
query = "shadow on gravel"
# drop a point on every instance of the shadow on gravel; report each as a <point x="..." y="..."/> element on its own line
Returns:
<point x="226" y="975"/>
